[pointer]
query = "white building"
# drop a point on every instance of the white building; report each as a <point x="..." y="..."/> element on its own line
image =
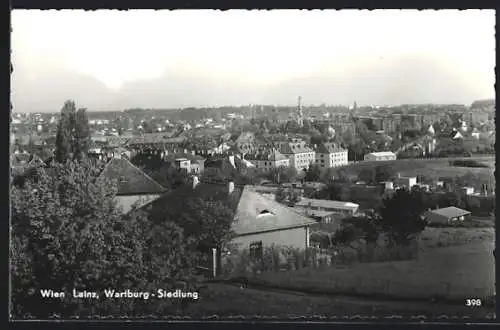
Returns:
<point x="407" y="182"/>
<point x="330" y="155"/>
<point x="380" y="156"/>
<point x="299" y="154"/>
<point x="336" y="207"/>
<point x="267" y="159"/>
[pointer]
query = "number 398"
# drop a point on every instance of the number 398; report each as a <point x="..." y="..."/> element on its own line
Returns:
<point x="473" y="302"/>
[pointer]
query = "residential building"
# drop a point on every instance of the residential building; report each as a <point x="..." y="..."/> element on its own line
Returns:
<point x="266" y="222"/>
<point x="300" y="155"/>
<point x="336" y="207"/>
<point x="380" y="156"/>
<point x="267" y="159"/>
<point x="319" y="216"/>
<point x="245" y="142"/>
<point x="259" y="221"/>
<point x="468" y="190"/>
<point x="187" y="160"/>
<point x="447" y="215"/>
<point x="407" y="182"/>
<point x="134" y="186"/>
<point x="152" y="142"/>
<point x="330" y="155"/>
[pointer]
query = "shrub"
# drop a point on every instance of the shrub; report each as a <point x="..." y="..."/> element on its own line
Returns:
<point x="68" y="233"/>
<point x="467" y="163"/>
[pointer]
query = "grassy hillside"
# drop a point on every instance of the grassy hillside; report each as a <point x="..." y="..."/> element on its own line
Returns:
<point x="430" y="168"/>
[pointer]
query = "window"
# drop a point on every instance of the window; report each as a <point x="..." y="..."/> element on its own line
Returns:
<point x="256" y="250"/>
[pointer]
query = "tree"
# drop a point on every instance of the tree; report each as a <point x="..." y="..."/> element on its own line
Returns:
<point x="73" y="133"/>
<point x="334" y="192"/>
<point x="366" y="175"/>
<point x="81" y="134"/>
<point x="344" y="236"/>
<point x="401" y="216"/>
<point x="282" y="174"/>
<point x="288" y="196"/>
<point x="64" y="136"/>
<point x="313" y="173"/>
<point x="454" y="198"/>
<point x="68" y="230"/>
<point x="383" y="173"/>
<point x="376" y="174"/>
<point x="205" y="215"/>
<point x="293" y="198"/>
<point x="281" y="195"/>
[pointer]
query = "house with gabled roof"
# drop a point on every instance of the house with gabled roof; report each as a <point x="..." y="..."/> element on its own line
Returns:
<point x="262" y="220"/>
<point x="134" y="186"/>
<point x="258" y="220"/>
<point x="447" y="215"/>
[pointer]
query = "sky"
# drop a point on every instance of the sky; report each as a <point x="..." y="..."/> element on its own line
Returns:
<point x="114" y="60"/>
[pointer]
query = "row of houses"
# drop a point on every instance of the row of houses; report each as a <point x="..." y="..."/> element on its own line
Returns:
<point x="294" y="153"/>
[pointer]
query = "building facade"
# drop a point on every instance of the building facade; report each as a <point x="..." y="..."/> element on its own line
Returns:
<point x="300" y="155"/>
<point x="380" y="156"/>
<point x="267" y="159"/>
<point x="330" y="155"/>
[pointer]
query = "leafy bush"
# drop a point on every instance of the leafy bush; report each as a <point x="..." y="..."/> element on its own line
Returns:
<point x="467" y="163"/>
<point x="68" y="233"/>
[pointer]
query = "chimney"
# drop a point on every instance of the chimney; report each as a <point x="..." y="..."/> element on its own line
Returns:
<point x="231" y="160"/>
<point x="230" y="187"/>
<point x="195" y="181"/>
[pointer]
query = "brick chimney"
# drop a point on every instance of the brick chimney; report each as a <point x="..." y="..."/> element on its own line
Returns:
<point x="230" y="187"/>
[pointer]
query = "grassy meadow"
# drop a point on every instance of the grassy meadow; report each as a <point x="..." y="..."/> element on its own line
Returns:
<point x="430" y="168"/>
<point x="453" y="263"/>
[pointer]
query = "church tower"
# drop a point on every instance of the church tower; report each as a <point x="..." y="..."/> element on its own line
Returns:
<point x="300" y="115"/>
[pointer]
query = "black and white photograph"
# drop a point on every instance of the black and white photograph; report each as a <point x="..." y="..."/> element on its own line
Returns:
<point x="252" y="164"/>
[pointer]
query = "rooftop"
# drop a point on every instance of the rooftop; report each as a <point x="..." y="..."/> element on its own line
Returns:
<point x="256" y="213"/>
<point x="450" y="212"/>
<point x="131" y="179"/>
<point x="329" y="148"/>
<point x="295" y="147"/>
<point x="309" y="202"/>
<point x="272" y="154"/>
<point x="382" y="153"/>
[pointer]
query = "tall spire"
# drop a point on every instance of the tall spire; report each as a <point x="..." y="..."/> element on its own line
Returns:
<point x="300" y="119"/>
